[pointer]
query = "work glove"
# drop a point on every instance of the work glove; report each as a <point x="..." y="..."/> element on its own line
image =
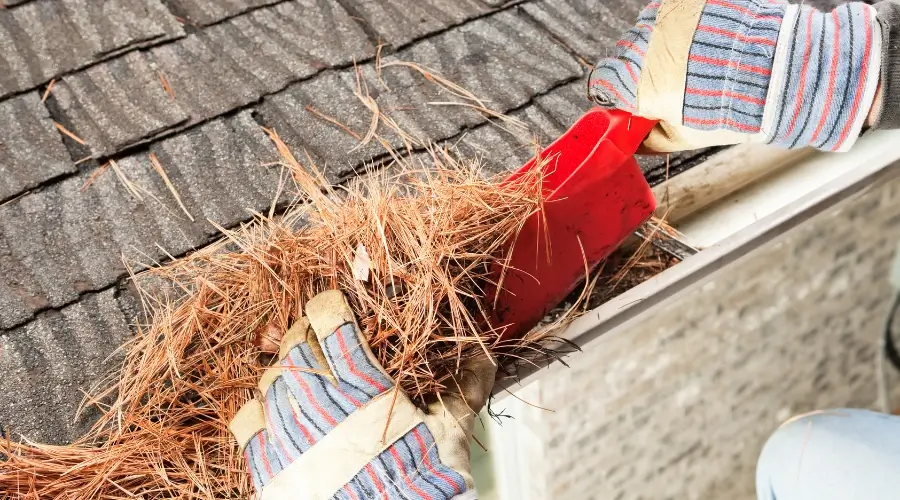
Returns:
<point x="331" y="425"/>
<point x="717" y="72"/>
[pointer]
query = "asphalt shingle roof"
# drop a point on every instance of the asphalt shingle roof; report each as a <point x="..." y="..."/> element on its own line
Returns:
<point x="30" y="143"/>
<point x="43" y="39"/>
<point x="206" y="12"/>
<point x="194" y="82"/>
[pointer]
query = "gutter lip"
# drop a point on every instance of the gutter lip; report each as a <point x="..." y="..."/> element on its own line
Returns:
<point x="627" y="307"/>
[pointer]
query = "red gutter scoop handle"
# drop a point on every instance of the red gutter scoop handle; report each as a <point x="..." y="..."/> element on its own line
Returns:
<point x="595" y="196"/>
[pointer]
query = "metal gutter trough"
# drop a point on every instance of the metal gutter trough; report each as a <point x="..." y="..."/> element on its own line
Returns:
<point x="738" y="200"/>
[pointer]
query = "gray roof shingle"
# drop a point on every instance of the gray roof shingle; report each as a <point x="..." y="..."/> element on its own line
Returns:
<point x="224" y="67"/>
<point x="63" y="241"/>
<point x="46" y="38"/>
<point x="501" y="58"/>
<point x="48" y="362"/>
<point x="399" y="22"/>
<point x="205" y="12"/>
<point x="31" y="151"/>
<point x="501" y="151"/>
<point x="109" y="119"/>
<point x="589" y="27"/>
<point x="504" y="150"/>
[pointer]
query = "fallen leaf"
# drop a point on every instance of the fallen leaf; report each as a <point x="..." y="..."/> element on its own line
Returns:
<point x="361" y="263"/>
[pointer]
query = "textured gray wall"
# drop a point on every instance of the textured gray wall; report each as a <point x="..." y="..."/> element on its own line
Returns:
<point x="679" y="406"/>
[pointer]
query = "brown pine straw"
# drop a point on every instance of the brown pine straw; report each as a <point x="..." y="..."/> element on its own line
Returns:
<point x="430" y="240"/>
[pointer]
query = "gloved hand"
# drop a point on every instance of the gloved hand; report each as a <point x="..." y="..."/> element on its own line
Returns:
<point x="318" y="433"/>
<point x="718" y="72"/>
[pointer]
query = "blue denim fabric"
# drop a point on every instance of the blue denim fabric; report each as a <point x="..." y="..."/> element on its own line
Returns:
<point x="838" y="454"/>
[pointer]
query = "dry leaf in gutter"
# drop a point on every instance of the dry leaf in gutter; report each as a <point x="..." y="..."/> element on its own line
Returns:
<point x="361" y="263"/>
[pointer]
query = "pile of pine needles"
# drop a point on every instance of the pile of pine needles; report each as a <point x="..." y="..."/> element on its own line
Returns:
<point x="413" y="257"/>
<point x="412" y="246"/>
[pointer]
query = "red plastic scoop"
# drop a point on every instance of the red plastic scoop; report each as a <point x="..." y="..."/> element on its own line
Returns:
<point x="595" y="196"/>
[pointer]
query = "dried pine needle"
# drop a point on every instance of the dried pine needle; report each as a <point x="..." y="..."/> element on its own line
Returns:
<point x="334" y="121"/>
<point x="165" y="85"/>
<point x="94" y="175"/>
<point x="157" y="166"/>
<point x="132" y="188"/>
<point x="69" y="133"/>
<point x="49" y="89"/>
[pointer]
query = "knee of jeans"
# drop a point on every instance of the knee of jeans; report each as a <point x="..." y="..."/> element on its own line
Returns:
<point x="819" y="441"/>
<point x="832" y="454"/>
<point x="782" y="453"/>
<point x="782" y="446"/>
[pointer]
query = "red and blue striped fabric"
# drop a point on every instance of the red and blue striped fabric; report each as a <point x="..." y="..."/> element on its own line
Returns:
<point x="410" y="468"/>
<point x="785" y="74"/>
<point x="613" y="82"/>
<point x="730" y="64"/>
<point x="830" y="68"/>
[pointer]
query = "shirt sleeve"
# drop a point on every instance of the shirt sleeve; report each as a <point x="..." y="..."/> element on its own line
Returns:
<point x="888" y="15"/>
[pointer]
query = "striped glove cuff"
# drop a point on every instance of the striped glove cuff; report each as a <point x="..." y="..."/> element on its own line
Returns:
<point x="824" y="81"/>
<point x="769" y="71"/>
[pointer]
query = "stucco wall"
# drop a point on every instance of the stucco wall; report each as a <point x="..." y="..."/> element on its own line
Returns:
<point x="680" y="405"/>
